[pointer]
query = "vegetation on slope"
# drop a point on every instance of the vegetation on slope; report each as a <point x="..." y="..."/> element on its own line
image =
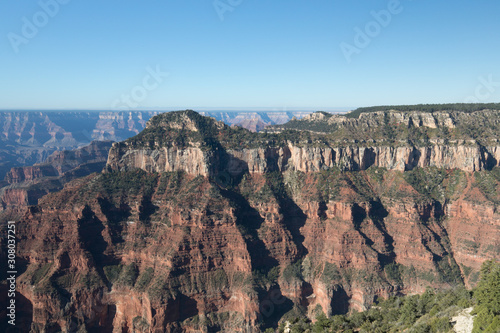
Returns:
<point x="188" y="128"/>
<point x="430" y="312"/>
<point x="462" y="107"/>
<point x="487" y="296"/>
<point x="389" y="132"/>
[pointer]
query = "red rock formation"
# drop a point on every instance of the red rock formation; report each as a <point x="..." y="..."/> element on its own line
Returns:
<point x="185" y="253"/>
<point x="207" y="246"/>
<point x="26" y="174"/>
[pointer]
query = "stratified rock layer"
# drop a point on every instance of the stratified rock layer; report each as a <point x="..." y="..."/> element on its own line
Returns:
<point x="185" y="231"/>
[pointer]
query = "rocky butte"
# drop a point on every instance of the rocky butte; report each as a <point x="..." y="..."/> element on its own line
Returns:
<point x="196" y="226"/>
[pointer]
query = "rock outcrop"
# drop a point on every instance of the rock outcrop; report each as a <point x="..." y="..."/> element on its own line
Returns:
<point x="411" y="145"/>
<point x="465" y="157"/>
<point x="29" y="137"/>
<point x="195" y="226"/>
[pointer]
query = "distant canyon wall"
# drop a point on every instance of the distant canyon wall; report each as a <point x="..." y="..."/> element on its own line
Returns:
<point x="23" y="186"/>
<point x="70" y="128"/>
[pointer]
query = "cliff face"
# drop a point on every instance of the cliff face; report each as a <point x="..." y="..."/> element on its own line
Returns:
<point x="191" y="228"/>
<point x="69" y="129"/>
<point x="396" y="141"/>
<point x="466" y="156"/>
<point x="448" y="120"/>
<point x="255" y="121"/>
<point x="21" y="174"/>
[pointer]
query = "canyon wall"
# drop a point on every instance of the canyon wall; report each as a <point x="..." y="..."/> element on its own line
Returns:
<point x="469" y="157"/>
<point x="184" y="231"/>
<point x="23" y="186"/>
<point x="177" y="252"/>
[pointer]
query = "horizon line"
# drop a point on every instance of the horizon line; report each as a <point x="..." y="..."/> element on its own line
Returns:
<point x="262" y="109"/>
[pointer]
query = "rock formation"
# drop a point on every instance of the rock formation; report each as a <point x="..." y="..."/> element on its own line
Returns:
<point x="29" y="137"/>
<point x="195" y="226"/>
<point x="23" y="186"/>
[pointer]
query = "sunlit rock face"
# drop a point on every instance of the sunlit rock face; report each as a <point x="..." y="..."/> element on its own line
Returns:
<point x="195" y="226"/>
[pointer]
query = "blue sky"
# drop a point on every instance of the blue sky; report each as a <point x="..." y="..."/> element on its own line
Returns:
<point x="279" y="54"/>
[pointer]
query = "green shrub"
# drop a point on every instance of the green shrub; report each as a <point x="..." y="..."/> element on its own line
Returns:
<point x="130" y="182"/>
<point x="487" y="182"/>
<point x="140" y="324"/>
<point x="487" y="295"/>
<point x="392" y="272"/>
<point x="266" y="278"/>
<point x="91" y="281"/>
<point x="40" y="273"/>
<point x="112" y="272"/>
<point x="64" y="281"/>
<point x="218" y="279"/>
<point x="449" y="270"/>
<point x="128" y="275"/>
<point x="427" y="181"/>
<point x="331" y="274"/>
<point x="144" y="279"/>
<point x="293" y="272"/>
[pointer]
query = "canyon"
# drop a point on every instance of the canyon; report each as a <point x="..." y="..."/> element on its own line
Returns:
<point x="197" y="226"/>
<point x="23" y="186"/>
<point x="29" y="137"/>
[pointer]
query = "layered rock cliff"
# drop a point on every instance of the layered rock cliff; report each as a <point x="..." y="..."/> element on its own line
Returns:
<point x="409" y="146"/>
<point x="468" y="157"/>
<point x="197" y="227"/>
<point x="69" y="129"/>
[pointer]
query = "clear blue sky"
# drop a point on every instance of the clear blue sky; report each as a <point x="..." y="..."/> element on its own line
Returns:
<point x="264" y="53"/>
